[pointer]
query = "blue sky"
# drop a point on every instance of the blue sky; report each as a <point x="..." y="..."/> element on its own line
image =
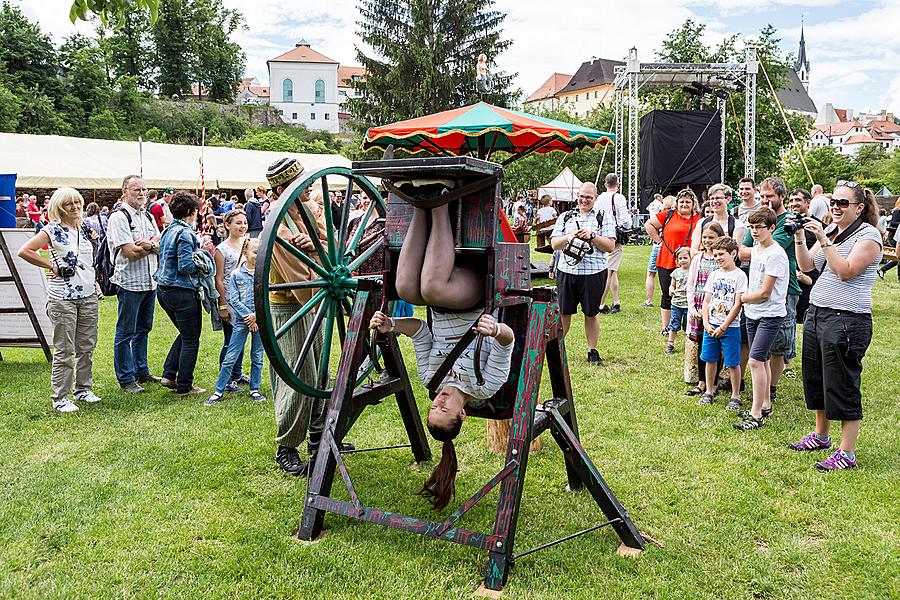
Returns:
<point x="854" y="54"/>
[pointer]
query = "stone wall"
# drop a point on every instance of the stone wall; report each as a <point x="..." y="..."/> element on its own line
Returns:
<point x="257" y="116"/>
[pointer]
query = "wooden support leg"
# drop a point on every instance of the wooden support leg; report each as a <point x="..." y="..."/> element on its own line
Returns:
<point x="406" y="401"/>
<point x="558" y="368"/>
<point x="590" y="477"/>
<point x="500" y="559"/>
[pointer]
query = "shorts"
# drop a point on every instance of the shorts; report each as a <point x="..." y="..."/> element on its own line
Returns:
<point x="745" y="337"/>
<point x="785" y="340"/>
<point x="651" y="263"/>
<point x="679" y="319"/>
<point x="728" y="346"/>
<point x="834" y="344"/>
<point x="614" y="258"/>
<point x="580" y="289"/>
<point x="762" y="334"/>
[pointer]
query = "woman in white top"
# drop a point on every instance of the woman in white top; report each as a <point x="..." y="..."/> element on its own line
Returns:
<point x="226" y="258"/>
<point x="838" y="326"/>
<point x="719" y="195"/>
<point x="72" y="297"/>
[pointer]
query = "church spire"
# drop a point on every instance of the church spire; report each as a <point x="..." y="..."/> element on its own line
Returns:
<point x="802" y="64"/>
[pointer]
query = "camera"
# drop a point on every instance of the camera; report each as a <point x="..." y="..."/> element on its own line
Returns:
<point x="66" y="271"/>
<point x="577" y="249"/>
<point x="797" y="225"/>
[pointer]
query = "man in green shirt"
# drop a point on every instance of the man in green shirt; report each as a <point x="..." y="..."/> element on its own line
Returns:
<point x="773" y="194"/>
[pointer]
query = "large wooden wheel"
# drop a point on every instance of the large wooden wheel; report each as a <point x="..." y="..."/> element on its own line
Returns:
<point x="336" y="264"/>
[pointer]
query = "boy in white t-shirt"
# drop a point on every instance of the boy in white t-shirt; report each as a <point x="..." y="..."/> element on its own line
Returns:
<point x="764" y="309"/>
<point x="722" y="318"/>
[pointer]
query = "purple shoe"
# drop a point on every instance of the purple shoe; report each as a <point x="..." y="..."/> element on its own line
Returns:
<point x="836" y="462"/>
<point x="809" y="443"/>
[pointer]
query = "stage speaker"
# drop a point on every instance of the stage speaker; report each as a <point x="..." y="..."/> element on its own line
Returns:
<point x="679" y="148"/>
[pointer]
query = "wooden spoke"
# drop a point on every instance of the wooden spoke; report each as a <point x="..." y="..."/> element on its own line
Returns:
<point x="342" y="327"/>
<point x="310" y="339"/>
<point x="324" y="375"/>
<point x="363" y="221"/>
<point x="304" y="310"/>
<point x="297" y="285"/>
<point x="345" y="215"/>
<point x="366" y="254"/>
<point x="329" y="221"/>
<point x="299" y="255"/>
<point x="312" y="228"/>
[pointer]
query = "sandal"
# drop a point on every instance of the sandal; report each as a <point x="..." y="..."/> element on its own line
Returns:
<point x="706" y="399"/>
<point x="694" y="392"/>
<point x="749" y="424"/>
<point x="766" y="413"/>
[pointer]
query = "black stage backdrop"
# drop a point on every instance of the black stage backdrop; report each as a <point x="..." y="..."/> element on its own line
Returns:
<point x="668" y="162"/>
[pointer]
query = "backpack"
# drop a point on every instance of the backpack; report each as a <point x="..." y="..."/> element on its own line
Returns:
<point x="105" y="261"/>
<point x="731" y="224"/>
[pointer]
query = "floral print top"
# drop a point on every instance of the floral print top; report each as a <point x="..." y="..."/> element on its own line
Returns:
<point x="70" y="248"/>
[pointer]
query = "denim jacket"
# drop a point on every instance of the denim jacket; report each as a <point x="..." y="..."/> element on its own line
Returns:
<point x="240" y="293"/>
<point x="176" y="260"/>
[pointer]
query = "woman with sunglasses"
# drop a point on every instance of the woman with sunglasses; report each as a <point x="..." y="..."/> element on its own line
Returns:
<point x="838" y="325"/>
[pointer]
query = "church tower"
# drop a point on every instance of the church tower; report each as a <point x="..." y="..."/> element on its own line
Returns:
<point x="802" y="64"/>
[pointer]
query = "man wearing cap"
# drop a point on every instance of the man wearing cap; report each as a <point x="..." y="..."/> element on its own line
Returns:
<point x="295" y="413"/>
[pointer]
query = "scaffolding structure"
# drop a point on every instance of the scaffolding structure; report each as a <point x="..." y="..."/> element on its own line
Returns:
<point x="720" y="79"/>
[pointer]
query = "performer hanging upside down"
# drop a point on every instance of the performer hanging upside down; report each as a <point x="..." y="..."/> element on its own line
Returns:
<point x="430" y="276"/>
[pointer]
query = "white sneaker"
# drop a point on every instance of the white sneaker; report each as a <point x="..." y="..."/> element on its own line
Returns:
<point x="65" y="406"/>
<point x="87" y="396"/>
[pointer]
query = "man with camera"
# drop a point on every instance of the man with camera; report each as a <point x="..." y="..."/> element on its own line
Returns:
<point x="773" y="194"/>
<point x="799" y="204"/>
<point x="613" y="205"/>
<point x="585" y="235"/>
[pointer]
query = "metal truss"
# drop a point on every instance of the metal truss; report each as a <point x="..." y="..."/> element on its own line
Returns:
<point x="634" y="76"/>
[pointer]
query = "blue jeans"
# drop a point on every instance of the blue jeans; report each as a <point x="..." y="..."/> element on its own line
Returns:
<point x="236" y="371"/>
<point x="236" y="348"/>
<point x="133" y="325"/>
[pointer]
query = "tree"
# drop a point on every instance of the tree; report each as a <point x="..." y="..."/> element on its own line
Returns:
<point x="866" y="161"/>
<point x="128" y="48"/>
<point x="889" y="172"/>
<point x="423" y="57"/>
<point x="218" y="62"/>
<point x="825" y="165"/>
<point x="174" y="49"/>
<point x="86" y="89"/>
<point x="10" y="109"/>
<point x="27" y="53"/>
<point x="108" y="10"/>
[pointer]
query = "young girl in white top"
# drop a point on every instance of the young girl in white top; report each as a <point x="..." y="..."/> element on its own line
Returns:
<point x="226" y="257"/>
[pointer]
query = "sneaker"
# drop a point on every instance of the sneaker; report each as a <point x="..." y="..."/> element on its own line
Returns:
<point x="706" y="399"/>
<point x="670" y="348"/>
<point x="880" y="274"/>
<point x="809" y="443"/>
<point x="665" y="332"/>
<point x="149" y="378"/>
<point x="87" y="396"/>
<point x="733" y="404"/>
<point x="615" y="308"/>
<point x="214" y="399"/>
<point x="593" y="358"/>
<point x="194" y="390"/>
<point x="604" y="309"/>
<point x="232" y="387"/>
<point x="65" y="405"/>
<point x="836" y="462"/>
<point x="289" y="461"/>
<point x="242" y="380"/>
<point x="647" y="304"/>
<point x="168" y="383"/>
<point x="749" y="424"/>
<point x="133" y="388"/>
<point x="255" y="395"/>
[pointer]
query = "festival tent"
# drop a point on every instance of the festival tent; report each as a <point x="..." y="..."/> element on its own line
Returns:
<point x="564" y="188"/>
<point x="50" y="161"/>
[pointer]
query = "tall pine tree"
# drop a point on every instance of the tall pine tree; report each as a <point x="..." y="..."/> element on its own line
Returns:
<point x="174" y="49"/>
<point x="423" y="57"/>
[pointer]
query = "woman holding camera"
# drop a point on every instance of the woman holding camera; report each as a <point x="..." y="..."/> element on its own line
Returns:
<point x="672" y="229"/>
<point x="838" y="325"/>
<point x="71" y="297"/>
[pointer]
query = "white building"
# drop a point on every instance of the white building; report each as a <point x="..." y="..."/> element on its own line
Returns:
<point x="304" y="86"/>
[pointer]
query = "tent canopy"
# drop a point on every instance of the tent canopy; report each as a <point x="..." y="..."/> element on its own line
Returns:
<point x="50" y="161"/>
<point x="564" y="188"/>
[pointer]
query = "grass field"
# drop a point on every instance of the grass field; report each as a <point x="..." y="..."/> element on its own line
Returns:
<point x="154" y="495"/>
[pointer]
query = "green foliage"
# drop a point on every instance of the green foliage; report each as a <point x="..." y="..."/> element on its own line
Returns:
<point x="103" y="125"/>
<point x="155" y="134"/>
<point x="825" y="165"/>
<point x="423" y="57"/>
<point x="889" y="172"/>
<point x="10" y="109"/>
<point x="128" y="48"/>
<point x="110" y="10"/>
<point x="866" y="161"/>
<point x="174" y="46"/>
<point x="281" y="141"/>
<point x="218" y="63"/>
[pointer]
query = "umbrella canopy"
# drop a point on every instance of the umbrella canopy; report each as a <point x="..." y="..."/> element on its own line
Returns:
<point x="482" y="129"/>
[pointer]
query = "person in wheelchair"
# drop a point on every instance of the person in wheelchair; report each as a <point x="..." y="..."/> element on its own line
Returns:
<point x="427" y="274"/>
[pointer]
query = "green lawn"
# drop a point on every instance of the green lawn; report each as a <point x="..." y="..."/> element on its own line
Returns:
<point x="153" y="495"/>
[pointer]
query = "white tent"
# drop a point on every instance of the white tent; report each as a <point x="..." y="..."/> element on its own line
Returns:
<point x="564" y="188"/>
<point x="50" y="161"/>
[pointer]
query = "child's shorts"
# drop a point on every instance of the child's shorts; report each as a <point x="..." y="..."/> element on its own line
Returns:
<point x="727" y="346"/>
<point x="762" y="334"/>
<point x="679" y="319"/>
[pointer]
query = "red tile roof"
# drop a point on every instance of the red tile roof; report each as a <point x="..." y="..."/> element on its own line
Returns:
<point x="259" y="90"/>
<point x="841" y="114"/>
<point x="861" y="139"/>
<point x="833" y="129"/>
<point x="883" y="126"/>
<point x="556" y="82"/>
<point x="303" y="54"/>
<point x="345" y="74"/>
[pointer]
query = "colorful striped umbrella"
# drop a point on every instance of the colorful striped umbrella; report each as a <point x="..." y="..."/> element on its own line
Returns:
<point x="483" y="129"/>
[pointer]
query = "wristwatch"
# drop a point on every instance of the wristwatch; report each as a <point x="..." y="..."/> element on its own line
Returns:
<point x="593" y="235"/>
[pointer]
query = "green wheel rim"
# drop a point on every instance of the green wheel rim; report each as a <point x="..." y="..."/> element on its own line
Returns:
<point x="333" y="287"/>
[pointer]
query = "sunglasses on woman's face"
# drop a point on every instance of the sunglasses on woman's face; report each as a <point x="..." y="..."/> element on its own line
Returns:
<point x="841" y="202"/>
